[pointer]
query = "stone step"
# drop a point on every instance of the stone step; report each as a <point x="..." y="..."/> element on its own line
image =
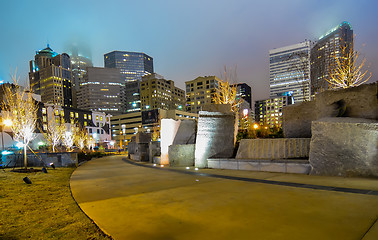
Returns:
<point x="281" y="165"/>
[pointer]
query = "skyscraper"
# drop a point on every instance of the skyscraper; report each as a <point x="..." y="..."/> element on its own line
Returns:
<point x="100" y="90"/>
<point x="289" y="70"/>
<point x="50" y="76"/>
<point x="329" y="47"/>
<point x="132" y="65"/>
<point x="79" y="65"/>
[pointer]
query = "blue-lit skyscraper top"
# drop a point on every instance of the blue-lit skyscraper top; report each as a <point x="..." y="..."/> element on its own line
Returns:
<point x="133" y="65"/>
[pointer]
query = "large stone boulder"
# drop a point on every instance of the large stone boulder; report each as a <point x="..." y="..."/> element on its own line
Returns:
<point x="169" y="128"/>
<point x="181" y="155"/>
<point x="344" y="147"/>
<point x="186" y="133"/>
<point x="215" y="136"/>
<point x="356" y="102"/>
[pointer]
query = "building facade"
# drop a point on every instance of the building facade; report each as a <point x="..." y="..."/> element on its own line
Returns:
<point x="156" y="92"/>
<point x="323" y="54"/>
<point x="132" y="65"/>
<point x="50" y="76"/>
<point x="269" y="112"/>
<point x="101" y="90"/>
<point x="289" y="71"/>
<point x="199" y="92"/>
<point x="97" y="124"/>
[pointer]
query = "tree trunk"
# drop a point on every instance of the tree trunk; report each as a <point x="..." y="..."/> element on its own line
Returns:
<point x="25" y="157"/>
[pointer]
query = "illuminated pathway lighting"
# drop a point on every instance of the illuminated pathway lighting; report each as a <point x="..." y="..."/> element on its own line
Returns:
<point x="20" y="145"/>
<point x="196" y="169"/>
<point x="161" y="165"/>
<point x="188" y="168"/>
<point x="154" y="164"/>
<point x="5" y="152"/>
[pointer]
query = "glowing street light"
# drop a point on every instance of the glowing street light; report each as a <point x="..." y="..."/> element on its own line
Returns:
<point x="255" y="126"/>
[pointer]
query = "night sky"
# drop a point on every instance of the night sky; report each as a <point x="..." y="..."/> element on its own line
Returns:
<point x="187" y="39"/>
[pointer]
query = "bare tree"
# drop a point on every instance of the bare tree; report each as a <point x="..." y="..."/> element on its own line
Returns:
<point x="348" y="72"/>
<point x="55" y="129"/>
<point x="90" y="142"/>
<point x="69" y="136"/>
<point x="22" y="111"/>
<point x="301" y="66"/>
<point x="226" y="92"/>
<point x="80" y="137"/>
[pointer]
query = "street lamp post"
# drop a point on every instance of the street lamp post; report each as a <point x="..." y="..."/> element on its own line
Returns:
<point x="123" y="126"/>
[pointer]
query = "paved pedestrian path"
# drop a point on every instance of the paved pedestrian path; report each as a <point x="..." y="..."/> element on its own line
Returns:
<point x="130" y="200"/>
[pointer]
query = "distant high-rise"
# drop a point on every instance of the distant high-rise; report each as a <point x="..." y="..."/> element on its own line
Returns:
<point x="100" y="90"/>
<point x="244" y="92"/>
<point x="325" y="51"/>
<point x="289" y="70"/>
<point x="50" y="76"/>
<point x="132" y="65"/>
<point x="269" y="112"/>
<point x="199" y="92"/>
<point x="159" y="93"/>
<point x="79" y="65"/>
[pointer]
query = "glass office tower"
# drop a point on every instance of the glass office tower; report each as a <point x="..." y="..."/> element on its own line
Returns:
<point x="132" y="65"/>
<point x="289" y="70"/>
<point x="324" y="53"/>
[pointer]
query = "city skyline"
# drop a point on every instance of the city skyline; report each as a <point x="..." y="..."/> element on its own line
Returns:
<point x="186" y="39"/>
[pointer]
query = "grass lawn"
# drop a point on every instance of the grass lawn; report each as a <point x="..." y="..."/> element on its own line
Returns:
<point x="44" y="209"/>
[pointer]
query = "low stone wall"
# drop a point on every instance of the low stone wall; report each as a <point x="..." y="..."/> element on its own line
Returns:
<point x="283" y="166"/>
<point x="357" y="102"/>
<point x="44" y="159"/>
<point x="278" y="148"/>
<point x="344" y="147"/>
<point x="181" y="155"/>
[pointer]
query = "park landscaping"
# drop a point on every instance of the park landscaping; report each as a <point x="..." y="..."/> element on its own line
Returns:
<point x="44" y="209"/>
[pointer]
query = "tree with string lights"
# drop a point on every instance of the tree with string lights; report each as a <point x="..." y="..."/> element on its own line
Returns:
<point x="21" y="109"/>
<point x="348" y="71"/>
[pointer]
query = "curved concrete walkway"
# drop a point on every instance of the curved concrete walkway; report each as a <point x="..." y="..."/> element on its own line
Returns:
<point x="129" y="201"/>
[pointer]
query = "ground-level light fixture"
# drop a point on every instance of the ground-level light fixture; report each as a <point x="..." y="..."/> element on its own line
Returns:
<point x="20" y="144"/>
<point x="6" y="152"/>
<point x="52" y="165"/>
<point x="27" y="180"/>
<point x="255" y="126"/>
